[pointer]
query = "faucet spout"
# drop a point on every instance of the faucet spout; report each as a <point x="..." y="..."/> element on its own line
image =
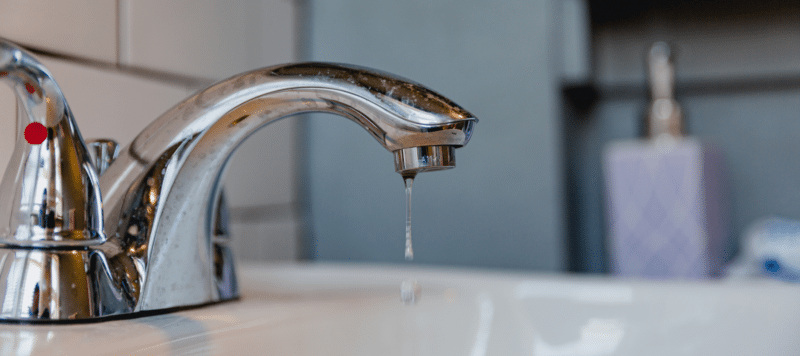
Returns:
<point x="160" y="195"/>
<point x="150" y="234"/>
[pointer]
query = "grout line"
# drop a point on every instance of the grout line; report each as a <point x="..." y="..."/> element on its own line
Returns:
<point x="149" y="74"/>
<point x="119" y="36"/>
<point x="706" y="86"/>
<point x="123" y="33"/>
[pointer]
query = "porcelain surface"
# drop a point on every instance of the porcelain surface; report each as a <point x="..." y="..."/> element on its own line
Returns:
<point x="347" y="309"/>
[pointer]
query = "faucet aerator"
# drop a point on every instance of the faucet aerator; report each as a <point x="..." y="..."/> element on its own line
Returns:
<point x="410" y="161"/>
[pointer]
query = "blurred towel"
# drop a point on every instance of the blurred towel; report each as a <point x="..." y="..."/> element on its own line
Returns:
<point x="771" y="247"/>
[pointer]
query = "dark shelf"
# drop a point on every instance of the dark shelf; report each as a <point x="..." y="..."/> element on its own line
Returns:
<point x="583" y="95"/>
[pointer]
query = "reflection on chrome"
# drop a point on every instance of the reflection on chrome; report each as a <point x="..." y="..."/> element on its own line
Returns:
<point x="598" y="337"/>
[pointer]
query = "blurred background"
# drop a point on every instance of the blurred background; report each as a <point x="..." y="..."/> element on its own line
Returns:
<point x="552" y="81"/>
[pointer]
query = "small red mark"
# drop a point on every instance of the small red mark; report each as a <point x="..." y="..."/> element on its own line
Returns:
<point x="3" y="74"/>
<point x="35" y="133"/>
<point x="30" y="88"/>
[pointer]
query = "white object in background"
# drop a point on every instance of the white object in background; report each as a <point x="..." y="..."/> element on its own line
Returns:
<point x="770" y="247"/>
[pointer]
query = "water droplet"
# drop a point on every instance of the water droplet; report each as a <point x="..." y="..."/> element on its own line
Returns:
<point x="410" y="292"/>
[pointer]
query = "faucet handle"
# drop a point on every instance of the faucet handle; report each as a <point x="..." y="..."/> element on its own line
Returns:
<point x="103" y="152"/>
<point x="49" y="194"/>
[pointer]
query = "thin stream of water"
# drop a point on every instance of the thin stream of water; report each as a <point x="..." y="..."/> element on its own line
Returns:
<point x="409" y="181"/>
<point x="409" y="289"/>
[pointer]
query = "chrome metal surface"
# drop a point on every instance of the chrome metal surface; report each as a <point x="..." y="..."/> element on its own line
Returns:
<point x="664" y="116"/>
<point x="50" y="194"/>
<point x="167" y="241"/>
<point x="413" y="160"/>
<point x="103" y="152"/>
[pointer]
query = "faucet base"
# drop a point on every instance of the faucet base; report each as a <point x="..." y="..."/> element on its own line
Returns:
<point x="72" y="286"/>
<point x="115" y="317"/>
<point x="46" y="284"/>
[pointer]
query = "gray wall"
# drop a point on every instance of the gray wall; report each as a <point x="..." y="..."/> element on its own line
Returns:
<point x="502" y="206"/>
<point x="525" y="183"/>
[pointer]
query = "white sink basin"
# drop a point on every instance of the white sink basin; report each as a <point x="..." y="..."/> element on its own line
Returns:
<point x="337" y="309"/>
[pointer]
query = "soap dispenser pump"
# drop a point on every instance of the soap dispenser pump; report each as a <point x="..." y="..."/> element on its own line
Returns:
<point x="664" y="114"/>
<point x="665" y="194"/>
<point x="49" y="195"/>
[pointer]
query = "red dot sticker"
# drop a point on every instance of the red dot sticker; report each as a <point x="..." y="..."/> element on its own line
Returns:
<point x="35" y="133"/>
<point x="30" y="88"/>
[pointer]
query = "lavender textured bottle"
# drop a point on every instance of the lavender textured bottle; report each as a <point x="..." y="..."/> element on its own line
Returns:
<point x="666" y="211"/>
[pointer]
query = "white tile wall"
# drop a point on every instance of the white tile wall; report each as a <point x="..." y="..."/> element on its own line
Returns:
<point x="112" y="104"/>
<point x="82" y="28"/>
<point x="106" y="103"/>
<point x="206" y="38"/>
<point x="265" y="240"/>
<point x="260" y="172"/>
<point x="8" y="119"/>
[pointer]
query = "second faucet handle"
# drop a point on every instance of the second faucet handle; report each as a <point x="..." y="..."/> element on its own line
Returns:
<point x="103" y="152"/>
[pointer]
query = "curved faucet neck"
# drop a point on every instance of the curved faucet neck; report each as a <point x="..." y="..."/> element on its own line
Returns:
<point x="165" y="184"/>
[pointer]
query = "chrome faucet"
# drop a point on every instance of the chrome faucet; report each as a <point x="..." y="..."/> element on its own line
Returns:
<point x="147" y="235"/>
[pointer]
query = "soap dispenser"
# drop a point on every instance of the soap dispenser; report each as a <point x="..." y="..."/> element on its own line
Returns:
<point x="665" y="194"/>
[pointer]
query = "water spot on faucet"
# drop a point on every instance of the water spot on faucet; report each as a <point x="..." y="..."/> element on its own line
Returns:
<point x="237" y="121"/>
<point x="133" y="230"/>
